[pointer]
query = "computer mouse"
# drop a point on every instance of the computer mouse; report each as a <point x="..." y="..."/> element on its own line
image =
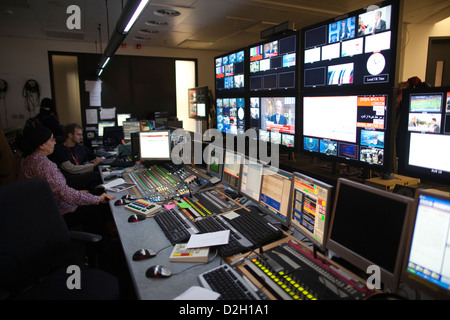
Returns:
<point x="143" y="254"/>
<point x="129" y="197"/>
<point x="158" y="271"/>
<point x="121" y="202"/>
<point x="136" y="217"/>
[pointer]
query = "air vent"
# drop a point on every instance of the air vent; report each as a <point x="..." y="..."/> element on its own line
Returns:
<point x="147" y="31"/>
<point x="166" y="13"/>
<point x="141" y="38"/>
<point x="156" y="23"/>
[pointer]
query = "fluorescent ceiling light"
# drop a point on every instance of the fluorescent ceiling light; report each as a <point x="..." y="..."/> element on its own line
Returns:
<point x="135" y="15"/>
<point x="106" y="62"/>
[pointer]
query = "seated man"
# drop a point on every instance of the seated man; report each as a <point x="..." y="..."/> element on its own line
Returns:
<point x="76" y="161"/>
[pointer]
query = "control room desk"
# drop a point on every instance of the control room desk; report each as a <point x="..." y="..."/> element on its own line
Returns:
<point x="147" y="234"/>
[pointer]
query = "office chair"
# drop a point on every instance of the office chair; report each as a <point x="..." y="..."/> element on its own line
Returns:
<point x="35" y="246"/>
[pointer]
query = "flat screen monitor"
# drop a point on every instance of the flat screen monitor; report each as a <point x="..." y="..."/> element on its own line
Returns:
<point x="214" y="162"/>
<point x="147" y="125"/>
<point x="275" y="193"/>
<point x="154" y="145"/>
<point x="368" y="228"/>
<point x="251" y="177"/>
<point x="232" y="169"/>
<point x="427" y="265"/>
<point x="425" y="132"/>
<point x="355" y="49"/>
<point x="121" y="117"/>
<point x="230" y="72"/>
<point x="198" y="103"/>
<point x="103" y="124"/>
<point x="273" y="64"/>
<point x="130" y="127"/>
<point x="311" y="208"/>
<point x="112" y="136"/>
<point x="231" y="115"/>
<point x="348" y="128"/>
<point x="274" y="119"/>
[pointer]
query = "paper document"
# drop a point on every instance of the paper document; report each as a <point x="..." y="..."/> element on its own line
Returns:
<point x="198" y="293"/>
<point x="208" y="239"/>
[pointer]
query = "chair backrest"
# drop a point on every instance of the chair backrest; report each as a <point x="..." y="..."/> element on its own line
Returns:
<point x="32" y="232"/>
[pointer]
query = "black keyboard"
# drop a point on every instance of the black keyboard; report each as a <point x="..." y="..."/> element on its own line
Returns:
<point x="229" y="284"/>
<point x="237" y="243"/>
<point x="175" y="225"/>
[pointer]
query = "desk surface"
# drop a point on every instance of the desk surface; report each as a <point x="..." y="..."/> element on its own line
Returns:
<point x="147" y="234"/>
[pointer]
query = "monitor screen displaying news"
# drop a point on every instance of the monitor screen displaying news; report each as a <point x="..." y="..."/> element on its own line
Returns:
<point x="230" y="72"/>
<point x="351" y="127"/>
<point x="354" y="50"/>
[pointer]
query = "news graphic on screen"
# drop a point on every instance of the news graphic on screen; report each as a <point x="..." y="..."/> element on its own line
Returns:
<point x="353" y="51"/>
<point x="229" y="72"/>
<point x="351" y="127"/>
<point x="426" y="130"/>
<point x="274" y="118"/>
<point x="273" y="64"/>
<point x="231" y="115"/>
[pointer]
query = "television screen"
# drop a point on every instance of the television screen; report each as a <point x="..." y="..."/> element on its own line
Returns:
<point x="274" y="118"/>
<point x="347" y="127"/>
<point x="231" y="115"/>
<point x="230" y="72"/>
<point x="425" y="132"/>
<point x="198" y="102"/>
<point x="273" y="64"/>
<point x="359" y="49"/>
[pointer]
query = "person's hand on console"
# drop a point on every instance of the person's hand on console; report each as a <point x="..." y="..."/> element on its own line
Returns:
<point x="104" y="197"/>
<point x="97" y="161"/>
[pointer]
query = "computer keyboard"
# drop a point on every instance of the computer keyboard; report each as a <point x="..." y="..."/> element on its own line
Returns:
<point x="229" y="284"/>
<point x="175" y="225"/>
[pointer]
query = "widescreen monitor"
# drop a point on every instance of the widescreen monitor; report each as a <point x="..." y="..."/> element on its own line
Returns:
<point x="232" y="169"/>
<point x="251" y="177"/>
<point x="425" y="134"/>
<point x="350" y="128"/>
<point x="311" y="208"/>
<point x="426" y="266"/>
<point x="369" y="227"/>
<point x="273" y="64"/>
<point x="355" y="49"/>
<point x="230" y="72"/>
<point x="155" y="145"/>
<point x="274" y="119"/>
<point x="231" y="115"/>
<point x="275" y="193"/>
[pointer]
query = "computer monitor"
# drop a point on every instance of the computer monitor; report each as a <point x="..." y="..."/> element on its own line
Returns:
<point x="251" y="177"/>
<point x="352" y="128"/>
<point x="121" y="117"/>
<point x="130" y="127"/>
<point x="424" y="133"/>
<point x="198" y="103"/>
<point x="230" y="72"/>
<point x="103" y="124"/>
<point x="368" y="228"/>
<point x="311" y="208"/>
<point x="273" y="63"/>
<point x="275" y="193"/>
<point x="426" y="266"/>
<point x="274" y="119"/>
<point x="231" y="115"/>
<point x="214" y="163"/>
<point x="232" y="169"/>
<point x="155" y="145"/>
<point x="352" y="50"/>
<point x="112" y="136"/>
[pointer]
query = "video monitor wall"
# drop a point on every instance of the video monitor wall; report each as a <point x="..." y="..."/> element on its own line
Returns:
<point x="230" y="72"/>
<point x="426" y="132"/>
<point x="274" y="119"/>
<point x="231" y="115"/>
<point x="273" y="64"/>
<point x="347" y="128"/>
<point x="356" y="50"/>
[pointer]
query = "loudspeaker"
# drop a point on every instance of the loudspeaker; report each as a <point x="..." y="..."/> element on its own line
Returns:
<point x="135" y="147"/>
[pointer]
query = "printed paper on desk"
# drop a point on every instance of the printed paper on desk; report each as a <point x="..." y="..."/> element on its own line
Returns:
<point x="208" y="239"/>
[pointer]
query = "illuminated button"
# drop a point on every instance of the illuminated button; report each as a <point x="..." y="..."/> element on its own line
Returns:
<point x="309" y="296"/>
<point x="296" y="297"/>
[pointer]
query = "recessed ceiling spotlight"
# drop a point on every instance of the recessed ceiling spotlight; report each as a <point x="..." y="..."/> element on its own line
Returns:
<point x="156" y="23"/>
<point x="166" y="12"/>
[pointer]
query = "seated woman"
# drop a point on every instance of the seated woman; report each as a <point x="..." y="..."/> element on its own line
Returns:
<point x="77" y="207"/>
